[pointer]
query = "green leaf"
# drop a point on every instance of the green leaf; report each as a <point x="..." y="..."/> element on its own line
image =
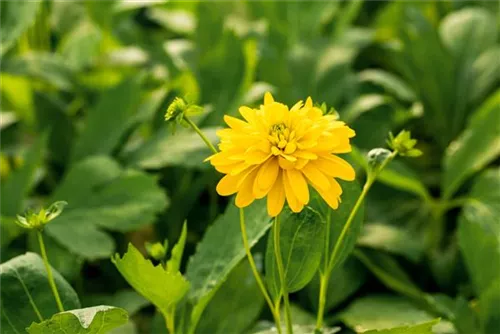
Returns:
<point x="107" y="198"/>
<point x="26" y="296"/>
<point x="388" y="271"/>
<point x="423" y="328"/>
<point x="222" y="247"/>
<point x="80" y="47"/>
<point x="127" y="299"/>
<point x="400" y="176"/>
<point x="47" y="67"/>
<point x="108" y="120"/>
<point x="221" y="250"/>
<point x="163" y="288"/>
<point x="183" y="148"/>
<point x="389" y="82"/>
<point x="489" y="312"/>
<point x="91" y="320"/>
<point x="302" y="238"/>
<point x="239" y="296"/>
<point x="344" y="281"/>
<point x="174" y="263"/>
<point x="479" y="231"/>
<point x="17" y="17"/>
<point x="301" y="329"/>
<point x="338" y="218"/>
<point x="382" y="311"/>
<point x="486" y="69"/>
<point x="391" y="239"/>
<point x="19" y="183"/>
<point x="477" y="146"/>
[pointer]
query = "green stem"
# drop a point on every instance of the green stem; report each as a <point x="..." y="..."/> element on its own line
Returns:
<point x="198" y="131"/>
<point x="281" y="271"/>
<point x="255" y="271"/>
<point x="372" y="176"/>
<point x="169" y="321"/>
<point x="52" y="283"/>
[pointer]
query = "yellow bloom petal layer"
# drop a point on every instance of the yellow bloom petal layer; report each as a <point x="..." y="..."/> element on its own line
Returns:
<point x="278" y="152"/>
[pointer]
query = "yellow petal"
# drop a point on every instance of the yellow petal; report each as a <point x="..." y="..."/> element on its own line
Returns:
<point x="316" y="177"/>
<point x="285" y="164"/>
<point x="228" y="185"/>
<point x="234" y="123"/>
<point x="245" y="195"/>
<point x="247" y="113"/>
<point x="268" y="173"/>
<point x="256" y="157"/>
<point x="309" y="102"/>
<point x="292" y="200"/>
<point x="343" y="169"/>
<point x="299" y="185"/>
<point x="268" y="98"/>
<point x="276" y="198"/>
<point x="332" y="195"/>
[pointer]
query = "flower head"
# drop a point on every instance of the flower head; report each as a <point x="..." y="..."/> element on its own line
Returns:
<point x="37" y="220"/>
<point x="277" y="152"/>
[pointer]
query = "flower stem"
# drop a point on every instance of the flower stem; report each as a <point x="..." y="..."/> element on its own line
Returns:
<point x="281" y="271"/>
<point x="336" y="249"/>
<point x="255" y="271"/>
<point x="52" y="283"/>
<point x="201" y="134"/>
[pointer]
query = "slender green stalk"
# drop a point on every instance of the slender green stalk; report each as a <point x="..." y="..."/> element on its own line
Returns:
<point x="372" y="176"/>
<point x="169" y="321"/>
<point x="52" y="283"/>
<point x="281" y="271"/>
<point x="201" y="134"/>
<point x="255" y="271"/>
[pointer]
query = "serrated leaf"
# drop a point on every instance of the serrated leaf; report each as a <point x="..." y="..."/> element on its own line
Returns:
<point x="478" y="145"/>
<point x="382" y="311"/>
<point x="423" y="328"/>
<point x="302" y="238"/>
<point x="479" y="230"/>
<point x="91" y="320"/>
<point x="107" y="198"/>
<point x="338" y="218"/>
<point x="184" y="148"/>
<point x="17" y="17"/>
<point x="174" y="263"/>
<point x="391" y="239"/>
<point x="164" y="289"/>
<point x="18" y="184"/>
<point x="26" y="296"/>
<point x="108" y="120"/>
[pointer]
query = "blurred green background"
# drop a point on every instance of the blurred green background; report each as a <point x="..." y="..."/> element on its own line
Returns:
<point x="85" y="85"/>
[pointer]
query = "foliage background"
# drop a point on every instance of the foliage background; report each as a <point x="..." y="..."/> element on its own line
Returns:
<point x="84" y="87"/>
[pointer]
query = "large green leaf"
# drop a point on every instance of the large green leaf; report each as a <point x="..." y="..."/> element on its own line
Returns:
<point x="180" y="149"/>
<point x="16" y="187"/>
<point x="16" y="17"/>
<point x="422" y="328"/>
<point x="302" y="238"/>
<point x="222" y="247"/>
<point x="107" y="198"/>
<point x="239" y="296"/>
<point x="344" y="281"/>
<point x="479" y="230"/>
<point x="221" y="250"/>
<point x="389" y="82"/>
<point x="338" y="218"/>
<point x="478" y="145"/>
<point x="91" y="320"/>
<point x="80" y="47"/>
<point x="26" y="296"/>
<point x="382" y="311"/>
<point x="489" y="313"/>
<point x="46" y="67"/>
<point x="391" y="239"/>
<point x="163" y="288"/>
<point x="127" y="299"/>
<point x="399" y="176"/>
<point x="108" y="120"/>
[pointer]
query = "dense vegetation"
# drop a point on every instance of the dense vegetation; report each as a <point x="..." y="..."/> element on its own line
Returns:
<point x="84" y="90"/>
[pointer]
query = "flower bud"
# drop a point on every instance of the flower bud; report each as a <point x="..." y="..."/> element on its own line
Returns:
<point x="404" y="144"/>
<point x="157" y="250"/>
<point x="33" y="220"/>
<point x="179" y="109"/>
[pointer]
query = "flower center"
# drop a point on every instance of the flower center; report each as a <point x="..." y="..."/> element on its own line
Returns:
<point x="282" y="139"/>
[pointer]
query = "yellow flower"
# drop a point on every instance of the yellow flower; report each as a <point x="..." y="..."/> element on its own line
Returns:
<point x="276" y="152"/>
